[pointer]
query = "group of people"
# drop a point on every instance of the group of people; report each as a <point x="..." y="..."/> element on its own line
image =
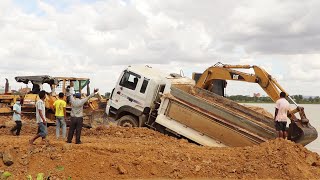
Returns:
<point x="280" y="118"/>
<point x="76" y="119"/>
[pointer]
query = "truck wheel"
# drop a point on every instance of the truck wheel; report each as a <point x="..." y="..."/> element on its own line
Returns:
<point x="128" y="121"/>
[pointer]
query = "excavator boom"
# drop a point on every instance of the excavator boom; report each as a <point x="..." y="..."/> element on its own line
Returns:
<point x="227" y="72"/>
<point x="300" y="130"/>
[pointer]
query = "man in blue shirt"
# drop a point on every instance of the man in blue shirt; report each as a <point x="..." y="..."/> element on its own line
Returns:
<point x="17" y="118"/>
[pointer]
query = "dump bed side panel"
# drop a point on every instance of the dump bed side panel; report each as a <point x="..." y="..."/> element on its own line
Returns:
<point x="206" y="113"/>
<point x="206" y="125"/>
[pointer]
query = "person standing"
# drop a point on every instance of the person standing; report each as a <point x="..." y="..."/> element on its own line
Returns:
<point x="17" y="118"/>
<point x="70" y="91"/>
<point x="77" y="115"/>
<point x="41" y="119"/>
<point x="60" y="113"/>
<point x="281" y="115"/>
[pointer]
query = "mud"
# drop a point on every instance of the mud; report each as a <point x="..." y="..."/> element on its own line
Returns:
<point x="140" y="153"/>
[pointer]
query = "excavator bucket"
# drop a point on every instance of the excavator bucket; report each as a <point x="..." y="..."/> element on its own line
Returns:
<point x="302" y="133"/>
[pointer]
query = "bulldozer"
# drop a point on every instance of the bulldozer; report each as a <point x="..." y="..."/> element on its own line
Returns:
<point x="7" y="100"/>
<point x="214" y="79"/>
<point x="94" y="109"/>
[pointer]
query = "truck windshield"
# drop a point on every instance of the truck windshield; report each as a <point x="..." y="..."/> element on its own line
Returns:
<point x="129" y="80"/>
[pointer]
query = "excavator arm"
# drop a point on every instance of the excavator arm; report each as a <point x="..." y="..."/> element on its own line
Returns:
<point x="227" y="72"/>
<point x="300" y="129"/>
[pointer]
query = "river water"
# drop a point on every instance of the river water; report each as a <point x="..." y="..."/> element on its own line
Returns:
<point x="313" y="114"/>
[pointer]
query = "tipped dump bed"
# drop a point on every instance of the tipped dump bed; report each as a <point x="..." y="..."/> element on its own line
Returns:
<point x="221" y="119"/>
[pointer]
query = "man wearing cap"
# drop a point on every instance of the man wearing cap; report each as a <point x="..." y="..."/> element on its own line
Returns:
<point x="77" y="115"/>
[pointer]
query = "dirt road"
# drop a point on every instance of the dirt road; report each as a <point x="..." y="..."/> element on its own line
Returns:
<point x="122" y="153"/>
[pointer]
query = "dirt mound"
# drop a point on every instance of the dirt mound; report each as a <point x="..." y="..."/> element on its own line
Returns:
<point x="5" y="119"/>
<point x="123" y="132"/>
<point x="259" y="110"/>
<point x="29" y="126"/>
<point x="120" y="153"/>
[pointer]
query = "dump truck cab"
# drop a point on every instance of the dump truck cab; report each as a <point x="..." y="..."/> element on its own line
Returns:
<point x="136" y="93"/>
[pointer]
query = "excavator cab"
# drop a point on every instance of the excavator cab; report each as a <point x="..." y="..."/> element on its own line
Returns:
<point x="217" y="86"/>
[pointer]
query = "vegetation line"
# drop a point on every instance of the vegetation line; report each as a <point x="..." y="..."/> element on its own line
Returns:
<point x="298" y="98"/>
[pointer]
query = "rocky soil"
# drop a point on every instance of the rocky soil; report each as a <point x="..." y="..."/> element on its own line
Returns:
<point x="140" y="153"/>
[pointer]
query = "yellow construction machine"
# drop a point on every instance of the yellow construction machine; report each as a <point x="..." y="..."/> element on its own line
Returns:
<point x="94" y="107"/>
<point x="7" y="100"/>
<point x="214" y="79"/>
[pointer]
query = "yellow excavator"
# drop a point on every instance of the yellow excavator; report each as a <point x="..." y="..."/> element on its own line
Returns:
<point x="299" y="130"/>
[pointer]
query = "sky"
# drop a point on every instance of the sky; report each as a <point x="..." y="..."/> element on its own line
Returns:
<point x="99" y="38"/>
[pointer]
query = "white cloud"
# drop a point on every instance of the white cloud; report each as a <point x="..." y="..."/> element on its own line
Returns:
<point x="99" y="39"/>
<point x="46" y="8"/>
<point x="304" y="68"/>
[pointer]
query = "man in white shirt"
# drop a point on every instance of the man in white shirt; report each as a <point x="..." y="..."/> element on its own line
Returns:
<point x="281" y="115"/>
<point x="17" y="118"/>
<point x="41" y="118"/>
<point x="70" y="91"/>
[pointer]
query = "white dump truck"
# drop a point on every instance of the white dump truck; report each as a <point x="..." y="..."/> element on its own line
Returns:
<point x="171" y="104"/>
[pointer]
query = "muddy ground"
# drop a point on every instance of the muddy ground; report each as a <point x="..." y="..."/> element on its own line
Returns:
<point x="140" y="153"/>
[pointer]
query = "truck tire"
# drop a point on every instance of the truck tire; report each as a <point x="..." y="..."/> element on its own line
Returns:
<point x="128" y="121"/>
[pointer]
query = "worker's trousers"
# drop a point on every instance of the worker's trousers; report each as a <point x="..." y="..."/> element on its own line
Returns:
<point x="61" y="123"/>
<point x="75" y="125"/>
<point x="17" y="127"/>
